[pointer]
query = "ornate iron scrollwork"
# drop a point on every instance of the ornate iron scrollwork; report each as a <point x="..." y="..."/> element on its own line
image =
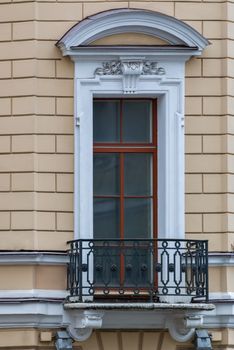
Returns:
<point x="155" y="268"/>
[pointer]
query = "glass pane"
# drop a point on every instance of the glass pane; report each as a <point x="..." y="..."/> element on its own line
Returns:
<point x="106" y="121"/>
<point x="137" y="121"/>
<point x="138" y="218"/>
<point x="106" y="174"/>
<point x="138" y="174"/>
<point x="106" y="218"/>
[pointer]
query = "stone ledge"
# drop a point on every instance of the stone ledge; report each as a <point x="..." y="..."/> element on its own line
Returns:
<point x="138" y="306"/>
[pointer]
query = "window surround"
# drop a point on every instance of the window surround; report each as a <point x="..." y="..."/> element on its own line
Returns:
<point x="135" y="71"/>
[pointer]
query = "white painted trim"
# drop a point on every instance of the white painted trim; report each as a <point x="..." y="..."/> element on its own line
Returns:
<point x="41" y="314"/>
<point x="118" y="21"/>
<point x="46" y="258"/>
<point x="163" y="52"/>
<point x="62" y="294"/>
<point x="33" y="258"/>
<point x="33" y="294"/>
<point x="169" y="90"/>
<point x="221" y="296"/>
<point x="221" y="259"/>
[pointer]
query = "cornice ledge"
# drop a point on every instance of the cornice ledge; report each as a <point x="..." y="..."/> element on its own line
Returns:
<point x="221" y="259"/>
<point x="33" y="258"/>
<point x="112" y="52"/>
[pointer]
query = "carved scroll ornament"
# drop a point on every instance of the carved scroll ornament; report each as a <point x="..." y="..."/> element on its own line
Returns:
<point x="109" y="68"/>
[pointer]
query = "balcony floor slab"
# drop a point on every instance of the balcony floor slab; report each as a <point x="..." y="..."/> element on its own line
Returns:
<point x="138" y="306"/>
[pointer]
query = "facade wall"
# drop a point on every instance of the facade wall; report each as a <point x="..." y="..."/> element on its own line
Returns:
<point x="37" y="125"/>
<point x="36" y="147"/>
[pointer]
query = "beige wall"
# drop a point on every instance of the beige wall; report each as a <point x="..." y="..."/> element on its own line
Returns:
<point x="29" y="277"/>
<point x="36" y="121"/>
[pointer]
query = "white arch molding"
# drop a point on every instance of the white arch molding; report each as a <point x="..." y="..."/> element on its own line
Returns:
<point x="138" y="71"/>
<point x="120" y="21"/>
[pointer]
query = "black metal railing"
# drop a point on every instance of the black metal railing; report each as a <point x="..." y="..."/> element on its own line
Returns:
<point x="138" y="270"/>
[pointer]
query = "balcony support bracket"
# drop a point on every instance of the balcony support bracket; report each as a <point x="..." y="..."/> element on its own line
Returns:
<point x="83" y="324"/>
<point x="182" y="329"/>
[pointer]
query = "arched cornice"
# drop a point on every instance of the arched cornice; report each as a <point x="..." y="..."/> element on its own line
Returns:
<point x="120" y="21"/>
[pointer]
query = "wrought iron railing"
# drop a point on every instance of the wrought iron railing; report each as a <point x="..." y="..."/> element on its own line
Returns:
<point x="138" y="270"/>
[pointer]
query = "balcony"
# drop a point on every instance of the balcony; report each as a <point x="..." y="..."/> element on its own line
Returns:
<point x="142" y="270"/>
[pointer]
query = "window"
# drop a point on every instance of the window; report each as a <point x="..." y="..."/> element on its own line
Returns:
<point x="145" y="72"/>
<point x="124" y="168"/>
<point x="124" y="191"/>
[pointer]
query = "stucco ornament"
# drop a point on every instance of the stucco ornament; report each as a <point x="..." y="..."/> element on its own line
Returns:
<point x="133" y="67"/>
<point x="131" y="70"/>
<point x="109" y="68"/>
<point x="150" y="68"/>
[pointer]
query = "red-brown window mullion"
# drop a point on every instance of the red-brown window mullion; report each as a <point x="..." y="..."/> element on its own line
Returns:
<point x="121" y="196"/>
<point x="150" y="197"/>
<point x="123" y="144"/>
<point x="106" y="196"/>
<point x="155" y="184"/>
<point x="121" y="214"/>
<point x="114" y="149"/>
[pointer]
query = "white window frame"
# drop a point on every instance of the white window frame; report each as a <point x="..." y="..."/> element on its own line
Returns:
<point x="167" y="85"/>
<point x="169" y="94"/>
